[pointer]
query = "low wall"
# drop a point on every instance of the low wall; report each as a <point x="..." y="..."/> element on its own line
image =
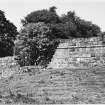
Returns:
<point x="80" y="52"/>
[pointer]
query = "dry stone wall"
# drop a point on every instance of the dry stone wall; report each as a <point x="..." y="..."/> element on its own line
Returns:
<point x="80" y="52"/>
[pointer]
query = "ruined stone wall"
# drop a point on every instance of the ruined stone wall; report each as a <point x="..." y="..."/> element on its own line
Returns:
<point x="80" y="52"/>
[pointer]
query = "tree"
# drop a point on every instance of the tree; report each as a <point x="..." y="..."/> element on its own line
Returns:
<point x="86" y="28"/>
<point x="53" y="9"/>
<point x="65" y="26"/>
<point x="46" y="16"/>
<point x="8" y="33"/>
<point x="37" y="45"/>
<point x="77" y="27"/>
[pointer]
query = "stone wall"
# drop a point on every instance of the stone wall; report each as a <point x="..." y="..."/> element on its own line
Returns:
<point x="80" y="52"/>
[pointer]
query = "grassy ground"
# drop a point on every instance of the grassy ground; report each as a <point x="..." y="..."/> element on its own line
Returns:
<point x="54" y="86"/>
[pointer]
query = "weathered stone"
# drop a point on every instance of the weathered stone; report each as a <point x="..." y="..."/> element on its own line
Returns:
<point x="80" y="52"/>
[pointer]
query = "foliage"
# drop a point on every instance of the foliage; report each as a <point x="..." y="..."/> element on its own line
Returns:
<point x="37" y="46"/>
<point x="76" y="27"/>
<point x="86" y="28"/>
<point x="65" y="26"/>
<point x="8" y="34"/>
<point x="47" y="16"/>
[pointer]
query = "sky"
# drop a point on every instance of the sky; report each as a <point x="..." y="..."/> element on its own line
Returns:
<point x="90" y="10"/>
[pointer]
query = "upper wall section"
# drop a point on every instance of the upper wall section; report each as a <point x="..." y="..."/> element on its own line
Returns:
<point x="79" y="52"/>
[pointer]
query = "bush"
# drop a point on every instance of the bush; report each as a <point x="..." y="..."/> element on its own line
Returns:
<point x="37" y="45"/>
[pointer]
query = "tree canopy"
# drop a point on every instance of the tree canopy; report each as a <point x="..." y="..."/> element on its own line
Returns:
<point x="47" y="16"/>
<point x="65" y="26"/>
<point x="8" y="32"/>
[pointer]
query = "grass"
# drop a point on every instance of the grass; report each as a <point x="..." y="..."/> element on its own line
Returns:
<point x="54" y="86"/>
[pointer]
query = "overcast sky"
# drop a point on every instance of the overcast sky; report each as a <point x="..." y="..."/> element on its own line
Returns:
<point x="91" y="10"/>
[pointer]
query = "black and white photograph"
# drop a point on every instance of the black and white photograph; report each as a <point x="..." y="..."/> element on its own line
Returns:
<point x="52" y="52"/>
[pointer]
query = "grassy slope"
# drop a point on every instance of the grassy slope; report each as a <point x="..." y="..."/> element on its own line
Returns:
<point x="54" y="86"/>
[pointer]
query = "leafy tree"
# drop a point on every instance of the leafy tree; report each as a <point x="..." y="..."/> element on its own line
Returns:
<point x="86" y="28"/>
<point x="78" y="27"/>
<point x="37" y="46"/>
<point x="8" y="34"/>
<point x="46" y="16"/>
<point x="53" y="9"/>
<point x="65" y="26"/>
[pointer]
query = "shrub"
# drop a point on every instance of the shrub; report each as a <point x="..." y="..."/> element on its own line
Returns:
<point x="37" y="45"/>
